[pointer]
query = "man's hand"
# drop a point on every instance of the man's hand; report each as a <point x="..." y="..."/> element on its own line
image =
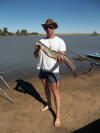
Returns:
<point x="37" y="47"/>
<point x="60" y="59"/>
<point x="37" y="51"/>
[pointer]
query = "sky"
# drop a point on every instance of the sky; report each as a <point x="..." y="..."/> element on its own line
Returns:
<point x="72" y="16"/>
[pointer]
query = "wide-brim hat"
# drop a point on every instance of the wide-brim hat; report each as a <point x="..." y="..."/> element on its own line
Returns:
<point x="49" y="22"/>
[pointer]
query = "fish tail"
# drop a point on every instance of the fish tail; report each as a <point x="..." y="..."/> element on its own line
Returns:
<point x="71" y="67"/>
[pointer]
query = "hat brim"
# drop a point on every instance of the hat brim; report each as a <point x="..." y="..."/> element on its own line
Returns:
<point x="54" y="24"/>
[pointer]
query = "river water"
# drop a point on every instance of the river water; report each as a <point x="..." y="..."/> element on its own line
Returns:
<point x="17" y="60"/>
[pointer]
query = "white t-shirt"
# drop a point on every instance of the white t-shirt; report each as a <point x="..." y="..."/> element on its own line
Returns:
<point x="49" y="64"/>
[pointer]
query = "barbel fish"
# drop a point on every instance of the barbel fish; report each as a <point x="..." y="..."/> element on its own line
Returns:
<point x="54" y="54"/>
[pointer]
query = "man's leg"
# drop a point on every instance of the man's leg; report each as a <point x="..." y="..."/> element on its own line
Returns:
<point x="54" y="86"/>
<point x="45" y="83"/>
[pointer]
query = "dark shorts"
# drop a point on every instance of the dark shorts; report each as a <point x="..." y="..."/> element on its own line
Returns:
<point x="52" y="77"/>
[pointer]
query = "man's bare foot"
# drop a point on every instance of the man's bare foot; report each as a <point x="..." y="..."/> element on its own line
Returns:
<point x="57" y="122"/>
<point x="45" y="108"/>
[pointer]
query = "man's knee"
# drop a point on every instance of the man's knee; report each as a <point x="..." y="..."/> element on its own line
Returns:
<point x="54" y="88"/>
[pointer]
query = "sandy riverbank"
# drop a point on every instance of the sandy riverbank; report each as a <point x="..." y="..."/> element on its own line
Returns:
<point x="80" y="106"/>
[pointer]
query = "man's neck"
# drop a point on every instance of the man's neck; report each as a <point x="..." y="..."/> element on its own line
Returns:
<point x="50" y="36"/>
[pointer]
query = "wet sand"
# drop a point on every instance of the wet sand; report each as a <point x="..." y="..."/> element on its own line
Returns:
<point x="80" y="106"/>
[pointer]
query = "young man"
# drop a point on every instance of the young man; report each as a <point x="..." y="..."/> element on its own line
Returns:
<point x="49" y="67"/>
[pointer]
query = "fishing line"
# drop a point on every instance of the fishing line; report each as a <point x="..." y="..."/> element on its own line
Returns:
<point x="78" y="56"/>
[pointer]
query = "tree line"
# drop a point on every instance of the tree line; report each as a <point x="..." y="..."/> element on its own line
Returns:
<point x="5" y="32"/>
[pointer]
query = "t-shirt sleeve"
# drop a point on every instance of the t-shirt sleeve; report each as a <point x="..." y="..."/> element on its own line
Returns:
<point x="62" y="46"/>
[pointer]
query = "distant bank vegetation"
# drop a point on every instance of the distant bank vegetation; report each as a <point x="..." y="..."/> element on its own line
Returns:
<point x="24" y="32"/>
<point x="79" y="34"/>
<point x="95" y="33"/>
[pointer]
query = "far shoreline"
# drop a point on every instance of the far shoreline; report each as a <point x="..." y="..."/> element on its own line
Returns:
<point x="76" y="34"/>
<point x="60" y="34"/>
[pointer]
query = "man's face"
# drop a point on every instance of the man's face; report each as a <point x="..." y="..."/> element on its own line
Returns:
<point x="49" y="29"/>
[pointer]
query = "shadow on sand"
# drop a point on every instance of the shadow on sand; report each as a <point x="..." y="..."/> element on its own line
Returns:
<point x="27" y="88"/>
<point x="93" y="127"/>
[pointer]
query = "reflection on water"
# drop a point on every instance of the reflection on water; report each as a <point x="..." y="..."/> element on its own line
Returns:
<point x="16" y="53"/>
